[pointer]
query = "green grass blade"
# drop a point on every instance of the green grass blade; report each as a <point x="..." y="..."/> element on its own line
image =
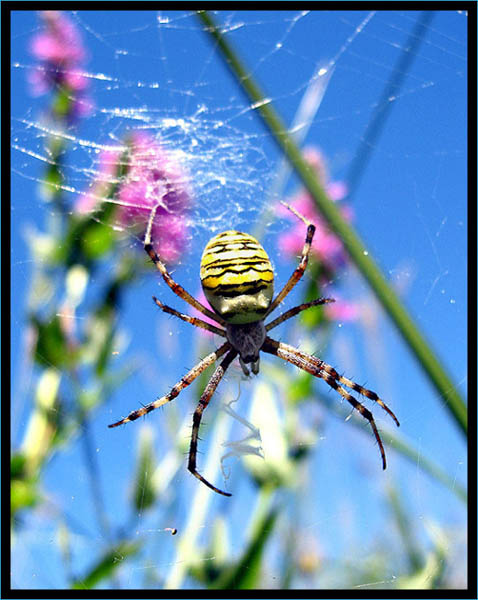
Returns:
<point x="107" y="565"/>
<point x="246" y="574"/>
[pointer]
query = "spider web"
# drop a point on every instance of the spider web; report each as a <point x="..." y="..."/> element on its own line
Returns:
<point x="326" y="73"/>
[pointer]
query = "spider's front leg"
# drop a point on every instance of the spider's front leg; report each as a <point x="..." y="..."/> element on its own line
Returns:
<point x="292" y="312"/>
<point x="300" y="270"/>
<point x="203" y="402"/>
<point x="176" y="288"/>
<point x="188" y="319"/>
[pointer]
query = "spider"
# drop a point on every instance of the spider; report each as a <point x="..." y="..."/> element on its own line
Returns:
<point x="237" y="279"/>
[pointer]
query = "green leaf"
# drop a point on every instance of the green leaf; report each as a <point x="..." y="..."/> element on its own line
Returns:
<point x="105" y="351"/>
<point x="144" y="491"/>
<point x="97" y="240"/>
<point x="87" y="237"/>
<point x="246" y="574"/>
<point x="23" y="494"/>
<point x="51" y="184"/>
<point x="51" y="348"/>
<point x="107" y="564"/>
<point x="430" y="576"/>
<point x="17" y="465"/>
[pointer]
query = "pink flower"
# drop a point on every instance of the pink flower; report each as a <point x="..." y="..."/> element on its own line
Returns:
<point x="327" y="247"/>
<point x="153" y="177"/>
<point x="60" y="44"/>
<point x="107" y="177"/>
<point x="61" y="53"/>
<point x="341" y="310"/>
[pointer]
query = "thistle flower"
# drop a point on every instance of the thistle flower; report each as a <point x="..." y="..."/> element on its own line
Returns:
<point x="342" y="310"/>
<point x="327" y="249"/>
<point x="61" y="53"/>
<point x="152" y="177"/>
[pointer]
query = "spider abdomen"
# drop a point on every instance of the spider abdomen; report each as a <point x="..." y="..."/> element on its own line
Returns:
<point x="237" y="277"/>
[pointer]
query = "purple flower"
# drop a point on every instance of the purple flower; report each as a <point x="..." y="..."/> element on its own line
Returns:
<point x="61" y="53"/>
<point x="342" y="310"/>
<point x="327" y="247"/>
<point x="60" y="43"/>
<point x="153" y="177"/>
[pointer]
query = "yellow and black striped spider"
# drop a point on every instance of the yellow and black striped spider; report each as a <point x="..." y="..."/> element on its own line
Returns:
<point x="237" y="278"/>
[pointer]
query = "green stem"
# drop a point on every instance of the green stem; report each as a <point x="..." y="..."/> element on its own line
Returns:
<point x="355" y="247"/>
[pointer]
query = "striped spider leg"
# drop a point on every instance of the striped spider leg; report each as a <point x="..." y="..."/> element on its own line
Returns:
<point x="177" y="289"/>
<point x="203" y="402"/>
<point x="209" y="390"/>
<point x="300" y="270"/>
<point x="187" y="380"/>
<point x="178" y="387"/>
<point x="319" y="368"/>
<point x="296" y="310"/>
<point x="188" y="319"/>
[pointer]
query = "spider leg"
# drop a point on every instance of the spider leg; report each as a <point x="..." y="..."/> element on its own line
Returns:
<point x="177" y="388"/>
<point x="315" y="367"/>
<point x="299" y="271"/>
<point x="357" y="388"/>
<point x="323" y="366"/>
<point x="193" y="320"/>
<point x="177" y="289"/>
<point x="297" y="309"/>
<point x="203" y="402"/>
<point x="361" y="409"/>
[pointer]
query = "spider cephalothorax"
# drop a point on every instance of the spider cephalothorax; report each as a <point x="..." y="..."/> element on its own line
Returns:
<point x="237" y="278"/>
<point x="247" y="339"/>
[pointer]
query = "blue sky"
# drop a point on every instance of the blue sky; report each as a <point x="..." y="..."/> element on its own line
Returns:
<point x="151" y="71"/>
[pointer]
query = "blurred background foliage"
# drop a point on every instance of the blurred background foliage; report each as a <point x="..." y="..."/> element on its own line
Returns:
<point x="76" y="372"/>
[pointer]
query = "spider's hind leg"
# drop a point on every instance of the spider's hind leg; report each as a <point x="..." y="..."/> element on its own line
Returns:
<point x="357" y="388"/>
<point x="203" y="402"/>
<point x="366" y="414"/>
<point x="323" y="366"/>
<point x="318" y="368"/>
